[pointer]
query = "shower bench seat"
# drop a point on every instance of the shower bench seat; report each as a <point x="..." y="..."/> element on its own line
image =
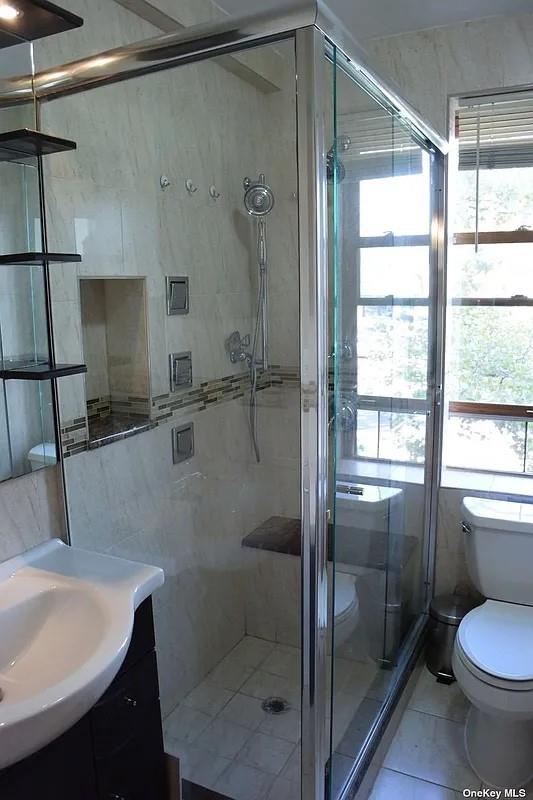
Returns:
<point x="353" y="546"/>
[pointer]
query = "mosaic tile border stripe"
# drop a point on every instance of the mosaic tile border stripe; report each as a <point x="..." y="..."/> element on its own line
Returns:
<point x="165" y="407"/>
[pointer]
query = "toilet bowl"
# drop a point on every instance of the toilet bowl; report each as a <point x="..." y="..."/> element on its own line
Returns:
<point x="493" y="651"/>
<point x="346" y="607"/>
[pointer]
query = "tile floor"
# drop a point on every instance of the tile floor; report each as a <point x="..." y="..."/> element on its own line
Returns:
<point x="227" y="743"/>
<point x="427" y="759"/>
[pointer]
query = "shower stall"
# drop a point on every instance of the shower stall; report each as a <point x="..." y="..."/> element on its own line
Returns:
<point x="298" y="560"/>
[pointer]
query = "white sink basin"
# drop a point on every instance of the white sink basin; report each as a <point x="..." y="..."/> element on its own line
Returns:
<point x="66" y="618"/>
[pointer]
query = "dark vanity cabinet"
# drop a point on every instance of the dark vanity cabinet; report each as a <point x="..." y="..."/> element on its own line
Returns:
<point x="116" y="751"/>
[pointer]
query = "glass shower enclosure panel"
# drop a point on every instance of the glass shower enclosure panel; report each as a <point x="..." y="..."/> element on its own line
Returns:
<point x="221" y="518"/>
<point x="381" y="390"/>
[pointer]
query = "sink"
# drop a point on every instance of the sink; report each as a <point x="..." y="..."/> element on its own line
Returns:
<point x="66" y="619"/>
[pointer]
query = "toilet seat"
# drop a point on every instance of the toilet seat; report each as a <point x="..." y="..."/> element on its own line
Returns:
<point x="487" y="678"/>
<point x="496" y="643"/>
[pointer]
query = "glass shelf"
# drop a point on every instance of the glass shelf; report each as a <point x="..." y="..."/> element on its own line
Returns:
<point x="36" y="19"/>
<point x="42" y="372"/>
<point x="26" y="143"/>
<point x="37" y="259"/>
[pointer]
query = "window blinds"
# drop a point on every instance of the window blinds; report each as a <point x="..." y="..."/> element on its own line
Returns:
<point x="495" y="132"/>
<point x="379" y="138"/>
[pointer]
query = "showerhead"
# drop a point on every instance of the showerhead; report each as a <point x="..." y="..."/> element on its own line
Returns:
<point x="258" y="197"/>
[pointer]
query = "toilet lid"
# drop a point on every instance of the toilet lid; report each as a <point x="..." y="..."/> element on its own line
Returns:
<point x="497" y="637"/>
<point x="345" y="594"/>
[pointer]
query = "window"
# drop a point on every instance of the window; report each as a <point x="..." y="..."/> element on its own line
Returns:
<point x="391" y="297"/>
<point x="489" y="364"/>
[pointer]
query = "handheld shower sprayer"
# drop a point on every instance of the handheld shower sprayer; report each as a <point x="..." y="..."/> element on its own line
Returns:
<point x="258" y="202"/>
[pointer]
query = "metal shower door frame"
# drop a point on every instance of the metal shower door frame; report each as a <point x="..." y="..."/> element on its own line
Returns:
<point x="314" y="309"/>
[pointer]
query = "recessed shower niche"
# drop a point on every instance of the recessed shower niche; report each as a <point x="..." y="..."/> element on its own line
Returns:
<point x="115" y="345"/>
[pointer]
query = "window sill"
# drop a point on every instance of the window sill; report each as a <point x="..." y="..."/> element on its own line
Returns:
<point x="380" y="471"/>
<point x="360" y="470"/>
<point x="497" y="483"/>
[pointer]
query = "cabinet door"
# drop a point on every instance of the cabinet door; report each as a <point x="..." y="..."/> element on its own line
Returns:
<point x="61" y="771"/>
<point x="137" y="771"/>
<point x="121" y="713"/>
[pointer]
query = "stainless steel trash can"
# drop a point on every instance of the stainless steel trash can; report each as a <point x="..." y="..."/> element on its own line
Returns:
<point x="445" y="612"/>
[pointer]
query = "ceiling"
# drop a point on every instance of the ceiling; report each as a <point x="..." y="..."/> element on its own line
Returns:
<point x="370" y="18"/>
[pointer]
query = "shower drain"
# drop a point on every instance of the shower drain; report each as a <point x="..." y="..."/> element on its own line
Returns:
<point x="275" y="705"/>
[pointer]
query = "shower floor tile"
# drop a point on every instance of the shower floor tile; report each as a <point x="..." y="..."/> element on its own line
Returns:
<point x="284" y="726"/>
<point x="241" y="782"/>
<point x="267" y="753"/>
<point x="283" y="789"/>
<point x="223" y="738"/>
<point x="208" y="698"/>
<point x="244" y="710"/>
<point x="228" y="744"/>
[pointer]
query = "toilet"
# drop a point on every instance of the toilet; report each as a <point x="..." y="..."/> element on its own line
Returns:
<point x="493" y="651"/>
<point x="42" y="455"/>
<point x="369" y="521"/>
<point x="346" y="607"/>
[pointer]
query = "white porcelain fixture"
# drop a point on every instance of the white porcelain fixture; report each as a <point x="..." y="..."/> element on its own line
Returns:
<point x="66" y="618"/>
<point x="373" y="508"/>
<point x="346" y="606"/>
<point x="365" y="514"/>
<point x="493" y="653"/>
<point x="42" y="455"/>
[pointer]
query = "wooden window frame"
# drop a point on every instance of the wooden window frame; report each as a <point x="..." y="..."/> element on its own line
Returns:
<point x="494" y="410"/>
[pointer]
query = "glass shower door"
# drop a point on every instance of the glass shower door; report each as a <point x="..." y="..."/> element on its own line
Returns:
<point x="381" y="401"/>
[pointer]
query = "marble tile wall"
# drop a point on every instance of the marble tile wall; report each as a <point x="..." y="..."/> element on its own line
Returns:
<point x="190" y="520"/>
<point x="31" y="512"/>
<point x="272" y="587"/>
<point x="97" y="209"/>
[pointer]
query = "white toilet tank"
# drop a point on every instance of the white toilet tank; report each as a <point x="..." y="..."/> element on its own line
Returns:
<point x="499" y="548"/>
<point x="373" y="508"/>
